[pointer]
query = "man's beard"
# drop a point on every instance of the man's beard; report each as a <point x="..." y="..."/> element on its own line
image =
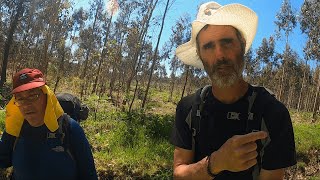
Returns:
<point x="225" y="80"/>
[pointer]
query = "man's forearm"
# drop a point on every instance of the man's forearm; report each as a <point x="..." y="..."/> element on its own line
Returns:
<point x="192" y="171"/>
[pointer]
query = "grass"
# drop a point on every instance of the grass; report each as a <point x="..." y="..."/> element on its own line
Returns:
<point x="307" y="137"/>
<point x="131" y="145"/>
<point x="136" y="145"/>
<point x="2" y="118"/>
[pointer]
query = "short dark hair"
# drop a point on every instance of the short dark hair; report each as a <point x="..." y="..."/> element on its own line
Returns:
<point x="238" y="33"/>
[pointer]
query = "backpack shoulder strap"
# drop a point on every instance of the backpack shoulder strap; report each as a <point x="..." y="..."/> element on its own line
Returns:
<point x="194" y="117"/>
<point x="63" y="133"/>
<point x="264" y="142"/>
<point x="17" y="138"/>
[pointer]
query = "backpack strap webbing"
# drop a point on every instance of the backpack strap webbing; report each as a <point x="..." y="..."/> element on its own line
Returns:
<point x="64" y="130"/>
<point x="194" y="117"/>
<point x="263" y="142"/>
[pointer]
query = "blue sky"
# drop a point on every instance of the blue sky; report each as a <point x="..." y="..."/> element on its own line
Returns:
<point x="265" y="9"/>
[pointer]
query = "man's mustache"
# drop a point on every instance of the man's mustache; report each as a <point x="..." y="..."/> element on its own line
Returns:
<point x="222" y="62"/>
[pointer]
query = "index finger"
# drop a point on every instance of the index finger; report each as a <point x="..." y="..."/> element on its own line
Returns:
<point x="251" y="137"/>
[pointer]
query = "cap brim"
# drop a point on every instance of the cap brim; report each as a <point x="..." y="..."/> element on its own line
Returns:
<point x="236" y="15"/>
<point x="28" y="86"/>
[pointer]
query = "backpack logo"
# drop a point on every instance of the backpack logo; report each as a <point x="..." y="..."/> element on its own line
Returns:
<point x="58" y="149"/>
<point x="233" y="116"/>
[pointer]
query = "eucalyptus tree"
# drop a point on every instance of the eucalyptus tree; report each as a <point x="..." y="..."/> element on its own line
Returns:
<point x="179" y="31"/>
<point x="251" y="68"/>
<point x="310" y="23"/>
<point x="90" y="41"/>
<point x="18" y="8"/>
<point x="137" y="37"/>
<point x="116" y="65"/>
<point x="112" y="9"/>
<point x="294" y="74"/>
<point x="286" y="22"/>
<point x="154" y="59"/>
<point x="62" y="34"/>
<point x="266" y="58"/>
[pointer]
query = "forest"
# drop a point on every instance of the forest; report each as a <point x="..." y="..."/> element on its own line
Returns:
<point x="111" y="57"/>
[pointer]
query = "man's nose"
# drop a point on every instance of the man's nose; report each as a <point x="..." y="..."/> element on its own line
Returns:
<point x="219" y="52"/>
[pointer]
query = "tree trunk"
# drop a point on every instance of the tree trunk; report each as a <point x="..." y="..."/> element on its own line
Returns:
<point x="171" y="89"/>
<point x="8" y="43"/>
<point x="281" y="84"/>
<point x="185" y="82"/>
<point x="61" y="68"/>
<point x="316" y="103"/>
<point x="302" y="87"/>
<point x="155" y="56"/>
<point x="141" y="38"/>
<point x="84" y="73"/>
<point x="45" y="51"/>
<point x="103" y="55"/>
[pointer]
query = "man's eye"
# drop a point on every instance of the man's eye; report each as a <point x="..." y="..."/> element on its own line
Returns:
<point x="227" y="42"/>
<point x="33" y="96"/>
<point x="208" y="46"/>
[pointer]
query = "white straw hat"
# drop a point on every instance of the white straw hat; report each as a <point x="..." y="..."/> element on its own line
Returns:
<point x="239" y="16"/>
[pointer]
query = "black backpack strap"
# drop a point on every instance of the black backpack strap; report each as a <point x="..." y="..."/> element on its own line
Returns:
<point x="67" y="139"/>
<point x="259" y="117"/>
<point x="194" y="117"/>
<point x="17" y="138"/>
<point x="63" y="133"/>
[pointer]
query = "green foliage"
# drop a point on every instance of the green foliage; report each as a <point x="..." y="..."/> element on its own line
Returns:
<point x="135" y="144"/>
<point x="2" y="118"/>
<point x="307" y="137"/>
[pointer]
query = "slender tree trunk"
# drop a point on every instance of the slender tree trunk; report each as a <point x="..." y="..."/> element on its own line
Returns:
<point x="45" y="51"/>
<point x="302" y="87"/>
<point x="185" y="82"/>
<point x="141" y="39"/>
<point x="281" y="84"/>
<point x="103" y="54"/>
<point x="171" y="89"/>
<point x="61" y="68"/>
<point x="316" y="104"/>
<point x="112" y="81"/>
<point x="134" y="95"/>
<point x="137" y="82"/>
<point x="9" y="41"/>
<point x="155" y="56"/>
<point x="84" y="73"/>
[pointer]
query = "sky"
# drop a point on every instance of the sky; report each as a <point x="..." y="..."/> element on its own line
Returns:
<point x="265" y="9"/>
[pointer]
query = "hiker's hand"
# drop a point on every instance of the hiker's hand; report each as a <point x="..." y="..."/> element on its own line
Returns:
<point x="237" y="153"/>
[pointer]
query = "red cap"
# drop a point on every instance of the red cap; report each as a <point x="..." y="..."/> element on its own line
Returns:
<point x="27" y="79"/>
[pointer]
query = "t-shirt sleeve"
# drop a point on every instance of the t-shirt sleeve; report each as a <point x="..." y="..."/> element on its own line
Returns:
<point x="280" y="152"/>
<point x="82" y="153"/>
<point x="181" y="134"/>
